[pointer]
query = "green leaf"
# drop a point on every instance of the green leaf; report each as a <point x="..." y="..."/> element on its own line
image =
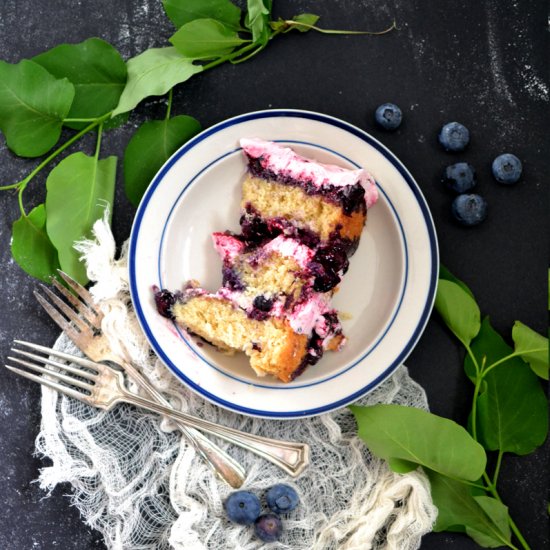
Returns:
<point x="308" y="19"/>
<point x="97" y="72"/>
<point x="458" y="309"/>
<point x="498" y="513"/>
<point x="527" y="339"/>
<point x="445" y="274"/>
<point x="31" y="247"/>
<point x="150" y="147"/>
<point x="401" y="466"/>
<point x="512" y="410"/>
<point x="460" y="511"/>
<point x="154" y="72"/>
<point x="33" y="104"/>
<point x="257" y="20"/>
<point x="181" y="12"/>
<point x="78" y="190"/>
<point x="407" y="434"/>
<point x="205" y="39"/>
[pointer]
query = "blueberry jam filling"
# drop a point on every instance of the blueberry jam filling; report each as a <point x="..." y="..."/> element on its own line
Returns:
<point x="329" y="264"/>
<point x="257" y="231"/>
<point x="315" y="344"/>
<point x="164" y="300"/>
<point x="350" y="198"/>
<point x="230" y="279"/>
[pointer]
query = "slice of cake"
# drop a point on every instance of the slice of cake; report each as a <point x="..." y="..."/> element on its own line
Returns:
<point x="279" y="345"/>
<point x="267" y="308"/>
<point x="300" y="222"/>
<point x="317" y="203"/>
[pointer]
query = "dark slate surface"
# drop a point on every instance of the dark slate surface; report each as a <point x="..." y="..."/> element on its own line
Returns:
<point x="483" y="63"/>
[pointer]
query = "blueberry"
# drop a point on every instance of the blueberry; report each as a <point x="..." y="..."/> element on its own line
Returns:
<point x="460" y="177"/>
<point x="268" y="527"/>
<point x="454" y="136"/>
<point x="282" y="498"/>
<point x="507" y="168"/>
<point x="469" y="209"/>
<point x="262" y="303"/>
<point x="388" y="116"/>
<point x="242" y="507"/>
<point x="164" y="300"/>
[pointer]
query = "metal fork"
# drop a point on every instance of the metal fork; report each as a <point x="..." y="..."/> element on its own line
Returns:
<point x="100" y="385"/>
<point x="82" y="324"/>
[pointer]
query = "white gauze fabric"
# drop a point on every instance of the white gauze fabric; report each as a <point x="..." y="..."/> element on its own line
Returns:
<point x="143" y="487"/>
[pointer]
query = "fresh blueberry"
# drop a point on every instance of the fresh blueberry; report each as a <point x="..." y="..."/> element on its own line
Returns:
<point x="388" y="116"/>
<point x="460" y="177"/>
<point x="507" y="168"/>
<point x="282" y="498"/>
<point x="243" y="507"/>
<point x="469" y="209"/>
<point x="164" y="300"/>
<point x="454" y="136"/>
<point x="262" y="303"/>
<point x="268" y="527"/>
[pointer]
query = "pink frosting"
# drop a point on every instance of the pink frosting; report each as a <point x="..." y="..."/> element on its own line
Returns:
<point x="290" y="248"/>
<point x="308" y="315"/>
<point x="283" y="160"/>
<point x="227" y="246"/>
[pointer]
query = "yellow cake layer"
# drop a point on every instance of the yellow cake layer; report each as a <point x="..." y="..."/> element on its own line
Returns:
<point x="273" y="347"/>
<point x="276" y="200"/>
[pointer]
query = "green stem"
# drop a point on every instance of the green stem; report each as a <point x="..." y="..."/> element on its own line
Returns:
<point x="291" y="24"/>
<point x="473" y="358"/>
<point x="20" y="201"/>
<point x="497" y="468"/>
<point x="82" y="119"/>
<point x="23" y="183"/>
<point x="511" y="356"/>
<point x="251" y="54"/>
<point x="12" y="186"/>
<point x="477" y="389"/>
<point x="234" y="57"/>
<point x="98" y="143"/>
<point x="169" y="106"/>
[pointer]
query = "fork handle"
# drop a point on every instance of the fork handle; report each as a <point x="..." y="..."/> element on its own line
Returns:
<point x="291" y="456"/>
<point x="226" y="467"/>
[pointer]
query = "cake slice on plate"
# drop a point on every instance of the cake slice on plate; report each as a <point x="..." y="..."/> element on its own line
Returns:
<point x="284" y="192"/>
<point x="300" y="222"/>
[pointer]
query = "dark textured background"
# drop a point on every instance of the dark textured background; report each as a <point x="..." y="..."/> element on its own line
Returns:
<point x="483" y="63"/>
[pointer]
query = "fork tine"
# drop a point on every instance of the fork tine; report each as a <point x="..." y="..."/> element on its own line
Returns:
<point x="68" y="311"/>
<point x="57" y="376"/>
<point x="62" y="323"/>
<point x="98" y="367"/>
<point x="86" y="310"/>
<point x="64" y="366"/>
<point x="80" y="290"/>
<point x="51" y="384"/>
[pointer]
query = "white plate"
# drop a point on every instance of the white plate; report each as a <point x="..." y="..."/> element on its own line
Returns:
<point x="387" y="294"/>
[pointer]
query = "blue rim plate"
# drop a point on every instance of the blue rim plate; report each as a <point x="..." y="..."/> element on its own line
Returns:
<point x="385" y="298"/>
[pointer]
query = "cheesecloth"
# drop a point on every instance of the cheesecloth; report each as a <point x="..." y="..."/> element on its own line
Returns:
<point x="143" y="487"/>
